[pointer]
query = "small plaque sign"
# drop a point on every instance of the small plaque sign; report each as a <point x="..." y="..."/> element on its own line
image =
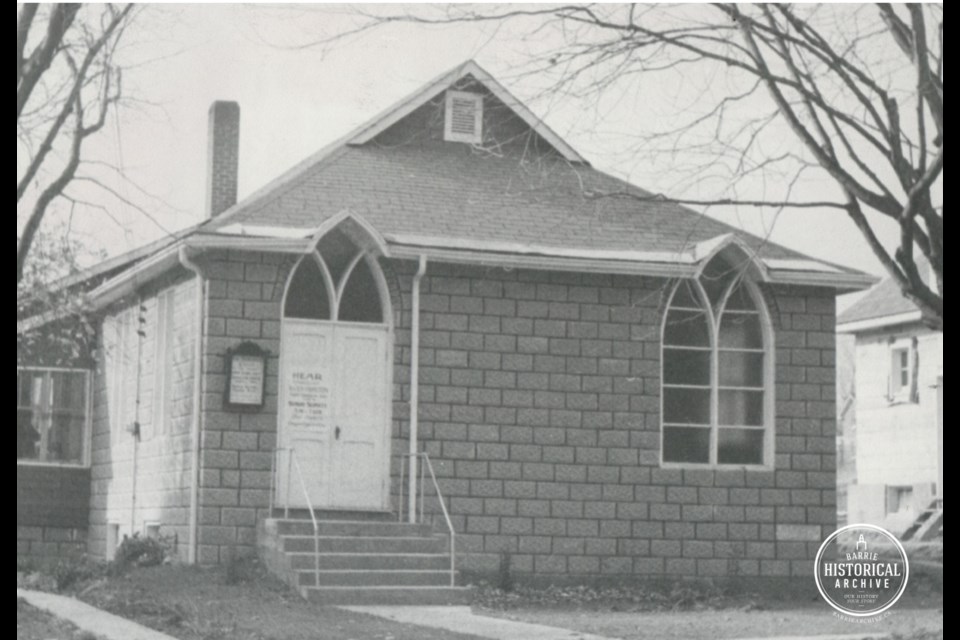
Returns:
<point x="246" y="376"/>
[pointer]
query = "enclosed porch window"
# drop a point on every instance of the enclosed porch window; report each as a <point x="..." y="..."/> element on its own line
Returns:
<point x="52" y="415"/>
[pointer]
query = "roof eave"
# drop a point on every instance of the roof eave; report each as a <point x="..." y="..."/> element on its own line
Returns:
<point x="880" y="322"/>
<point x="656" y="264"/>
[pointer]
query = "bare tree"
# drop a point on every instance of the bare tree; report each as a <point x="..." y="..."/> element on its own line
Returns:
<point x="853" y="93"/>
<point x="67" y="82"/>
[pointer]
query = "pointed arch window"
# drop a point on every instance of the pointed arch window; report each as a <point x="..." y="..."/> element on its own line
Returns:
<point x="339" y="281"/>
<point x="717" y="371"/>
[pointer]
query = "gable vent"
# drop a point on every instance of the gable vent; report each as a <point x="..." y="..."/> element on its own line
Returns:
<point x="464" y="117"/>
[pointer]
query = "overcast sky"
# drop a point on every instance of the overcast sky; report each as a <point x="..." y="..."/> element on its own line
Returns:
<point x="294" y="100"/>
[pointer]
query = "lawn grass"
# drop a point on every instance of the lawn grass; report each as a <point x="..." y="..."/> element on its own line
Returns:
<point x="235" y="603"/>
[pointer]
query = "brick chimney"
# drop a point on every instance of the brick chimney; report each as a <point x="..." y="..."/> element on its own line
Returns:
<point x="222" y="156"/>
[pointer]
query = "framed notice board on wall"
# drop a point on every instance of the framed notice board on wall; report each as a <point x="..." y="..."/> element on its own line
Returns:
<point x="246" y="377"/>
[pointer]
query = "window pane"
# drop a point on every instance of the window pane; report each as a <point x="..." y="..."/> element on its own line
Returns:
<point x="360" y="300"/>
<point x="23" y="389"/>
<point x="741" y="331"/>
<point x="740" y="446"/>
<point x="686" y="406"/>
<point x="65" y="440"/>
<point x="740" y="300"/>
<point x="686" y="296"/>
<point x="741" y="407"/>
<point x="741" y="369"/>
<point x="307" y="296"/>
<point x="686" y="328"/>
<point x="337" y="250"/>
<point x="683" y="366"/>
<point x="69" y="390"/>
<point x="716" y="277"/>
<point x="683" y="444"/>
<point x="28" y="435"/>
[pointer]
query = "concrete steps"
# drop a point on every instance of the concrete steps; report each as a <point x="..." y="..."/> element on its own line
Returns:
<point x="362" y="596"/>
<point x="369" y="561"/>
<point x="372" y="578"/>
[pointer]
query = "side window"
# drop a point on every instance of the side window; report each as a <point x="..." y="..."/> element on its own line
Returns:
<point x="904" y="367"/>
<point x="52" y="415"/>
<point x="120" y="356"/>
<point x="717" y="363"/>
<point x="164" y="361"/>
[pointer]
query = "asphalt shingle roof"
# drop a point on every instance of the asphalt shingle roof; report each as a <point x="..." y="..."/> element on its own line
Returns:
<point x="884" y="299"/>
<point x="517" y="188"/>
<point x="453" y="190"/>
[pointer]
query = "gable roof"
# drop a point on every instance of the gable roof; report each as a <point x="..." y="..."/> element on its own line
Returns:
<point x="883" y="305"/>
<point x="380" y="123"/>
<point x="530" y="202"/>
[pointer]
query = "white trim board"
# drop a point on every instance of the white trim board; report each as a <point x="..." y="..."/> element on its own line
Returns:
<point x="879" y="322"/>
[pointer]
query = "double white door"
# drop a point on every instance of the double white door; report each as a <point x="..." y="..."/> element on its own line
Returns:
<point x="334" y="416"/>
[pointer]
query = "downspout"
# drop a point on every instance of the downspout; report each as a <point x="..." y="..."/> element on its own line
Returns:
<point x="188" y="264"/>
<point x="414" y="388"/>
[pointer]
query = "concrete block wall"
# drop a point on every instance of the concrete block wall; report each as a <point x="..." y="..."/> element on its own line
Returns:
<point x="540" y="404"/>
<point x="41" y="542"/>
<point x="143" y="481"/>
<point x="244" y="296"/>
<point x="540" y="407"/>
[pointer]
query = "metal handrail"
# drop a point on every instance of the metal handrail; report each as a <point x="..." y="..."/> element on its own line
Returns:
<point x="443" y="506"/>
<point x="294" y="463"/>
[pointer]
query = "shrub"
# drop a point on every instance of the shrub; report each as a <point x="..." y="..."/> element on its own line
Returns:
<point x="67" y="572"/>
<point x="140" y="552"/>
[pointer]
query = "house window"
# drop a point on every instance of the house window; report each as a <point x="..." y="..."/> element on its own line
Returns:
<point x="164" y="363"/>
<point x="717" y="372"/>
<point x="904" y="364"/>
<point x="120" y="350"/>
<point x="337" y="282"/>
<point x="463" y="121"/>
<point x="52" y="415"/>
<point x="899" y="499"/>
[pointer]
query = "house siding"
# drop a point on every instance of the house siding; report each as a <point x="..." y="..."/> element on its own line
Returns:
<point x="901" y="435"/>
<point x="540" y="405"/>
<point x="145" y="480"/>
<point x="896" y="439"/>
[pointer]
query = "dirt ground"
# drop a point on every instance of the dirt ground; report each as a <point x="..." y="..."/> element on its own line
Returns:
<point x="34" y="624"/>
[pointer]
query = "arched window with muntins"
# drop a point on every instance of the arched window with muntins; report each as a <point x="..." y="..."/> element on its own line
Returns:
<point x="717" y="371"/>
<point x="339" y="281"/>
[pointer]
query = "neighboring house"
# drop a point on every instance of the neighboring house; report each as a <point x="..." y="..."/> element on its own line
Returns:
<point x="603" y="383"/>
<point x="897" y="432"/>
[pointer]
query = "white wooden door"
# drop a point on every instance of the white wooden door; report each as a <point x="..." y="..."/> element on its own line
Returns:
<point x="306" y="409"/>
<point x="334" y="415"/>
<point x="361" y="432"/>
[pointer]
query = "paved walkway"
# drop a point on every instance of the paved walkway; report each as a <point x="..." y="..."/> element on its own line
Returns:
<point x="89" y="618"/>
<point x="463" y="620"/>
